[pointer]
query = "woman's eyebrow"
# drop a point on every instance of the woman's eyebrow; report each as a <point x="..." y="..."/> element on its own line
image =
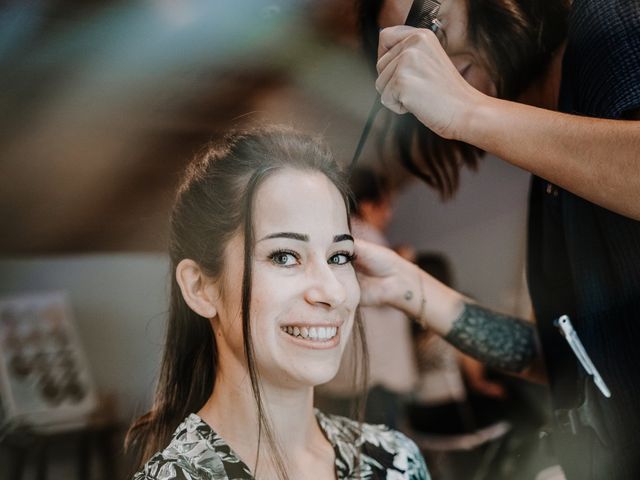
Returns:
<point x="294" y="236"/>
<point x="303" y="237"/>
<point x="342" y="238"/>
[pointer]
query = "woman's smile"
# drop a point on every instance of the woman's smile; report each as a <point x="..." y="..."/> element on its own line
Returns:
<point x="313" y="336"/>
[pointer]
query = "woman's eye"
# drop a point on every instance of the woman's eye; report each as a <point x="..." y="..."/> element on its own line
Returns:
<point x="285" y="259"/>
<point x="340" y="258"/>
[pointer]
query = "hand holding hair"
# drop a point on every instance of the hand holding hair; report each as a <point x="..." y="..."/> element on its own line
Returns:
<point x="388" y="279"/>
<point x="415" y="75"/>
<point x="593" y="158"/>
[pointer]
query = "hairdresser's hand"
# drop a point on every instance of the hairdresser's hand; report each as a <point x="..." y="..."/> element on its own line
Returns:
<point x="388" y="279"/>
<point x="417" y="76"/>
<point x="384" y="276"/>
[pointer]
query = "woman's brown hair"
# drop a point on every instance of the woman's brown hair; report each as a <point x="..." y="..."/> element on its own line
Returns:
<point x="214" y="202"/>
<point x="518" y="39"/>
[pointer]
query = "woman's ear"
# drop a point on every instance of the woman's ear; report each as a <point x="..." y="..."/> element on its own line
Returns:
<point x="198" y="290"/>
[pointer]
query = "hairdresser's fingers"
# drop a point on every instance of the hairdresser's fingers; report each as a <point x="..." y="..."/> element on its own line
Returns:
<point x="403" y="78"/>
<point x="391" y="97"/>
<point x="385" y="277"/>
<point x="387" y="67"/>
<point x="372" y="269"/>
<point x="378" y="266"/>
<point x="414" y="55"/>
<point x="390" y="36"/>
<point x="391" y="54"/>
<point x="414" y="37"/>
<point x="386" y="75"/>
<point x="374" y="260"/>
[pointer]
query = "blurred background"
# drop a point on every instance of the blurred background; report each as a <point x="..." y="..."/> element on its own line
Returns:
<point x="102" y="103"/>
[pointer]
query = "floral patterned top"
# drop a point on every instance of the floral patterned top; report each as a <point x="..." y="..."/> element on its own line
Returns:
<point x="196" y="452"/>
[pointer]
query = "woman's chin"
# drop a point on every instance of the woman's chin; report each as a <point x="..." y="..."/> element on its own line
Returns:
<point x="310" y="375"/>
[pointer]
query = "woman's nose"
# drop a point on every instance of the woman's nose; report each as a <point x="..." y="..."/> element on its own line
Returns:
<point x="324" y="286"/>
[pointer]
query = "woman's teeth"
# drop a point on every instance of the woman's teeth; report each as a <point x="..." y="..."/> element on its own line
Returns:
<point x="318" y="334"/>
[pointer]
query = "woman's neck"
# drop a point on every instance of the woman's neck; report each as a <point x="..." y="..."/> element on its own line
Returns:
<point x="232" y="412"/>
<point x="545" y="90"/>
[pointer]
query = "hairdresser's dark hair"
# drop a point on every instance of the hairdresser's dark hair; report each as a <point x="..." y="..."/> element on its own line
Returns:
<point x="518" y="39"/>
<point x="214" y="202"/>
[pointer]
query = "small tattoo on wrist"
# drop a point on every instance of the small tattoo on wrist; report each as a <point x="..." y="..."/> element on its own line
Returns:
<point x="408" y="295"/>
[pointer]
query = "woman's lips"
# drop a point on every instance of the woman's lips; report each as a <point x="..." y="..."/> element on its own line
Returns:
<point x="314" y="337"/>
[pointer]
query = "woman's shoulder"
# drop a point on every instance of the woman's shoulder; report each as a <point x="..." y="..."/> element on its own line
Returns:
<point x="195" y="451"/>
<point x="379" y="447"/>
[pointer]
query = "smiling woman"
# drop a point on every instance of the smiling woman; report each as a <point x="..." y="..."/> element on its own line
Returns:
<point x="263" y="302"/>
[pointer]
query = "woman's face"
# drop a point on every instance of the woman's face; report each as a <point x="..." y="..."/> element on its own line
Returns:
<point x="304" y="289"/>
<point x="453" y="15"/>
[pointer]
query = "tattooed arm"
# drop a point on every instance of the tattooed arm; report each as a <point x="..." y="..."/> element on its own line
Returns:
<point x="497" y="340"/>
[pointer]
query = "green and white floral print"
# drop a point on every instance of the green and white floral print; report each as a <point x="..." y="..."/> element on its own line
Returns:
<point x="363" y="452"/>
<point x="368" y="452"/>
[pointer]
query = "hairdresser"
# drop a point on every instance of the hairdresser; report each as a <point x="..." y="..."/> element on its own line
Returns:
<point x="561" y="100"/>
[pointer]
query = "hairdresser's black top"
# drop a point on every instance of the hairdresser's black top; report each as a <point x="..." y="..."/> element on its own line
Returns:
<point x="198" y="452"/>
<point x="584" y="260"/>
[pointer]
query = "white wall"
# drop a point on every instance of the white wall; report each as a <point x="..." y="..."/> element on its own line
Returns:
<point x="119" y="303"/>
<point x="482" y="231"/>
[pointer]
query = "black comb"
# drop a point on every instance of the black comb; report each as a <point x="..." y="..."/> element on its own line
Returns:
<point x="423" y="14"/>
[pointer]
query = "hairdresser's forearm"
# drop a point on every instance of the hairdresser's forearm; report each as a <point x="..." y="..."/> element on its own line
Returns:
<point x="494" y="339"/>
<point x="421" y="297"/>
<point x="596" y="159"/>
<point x="497" y="340"/>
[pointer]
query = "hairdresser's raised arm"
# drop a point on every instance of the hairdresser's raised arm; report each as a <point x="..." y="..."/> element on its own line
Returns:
<point x="596" y="159"/>
<point x="495" y="339"/>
